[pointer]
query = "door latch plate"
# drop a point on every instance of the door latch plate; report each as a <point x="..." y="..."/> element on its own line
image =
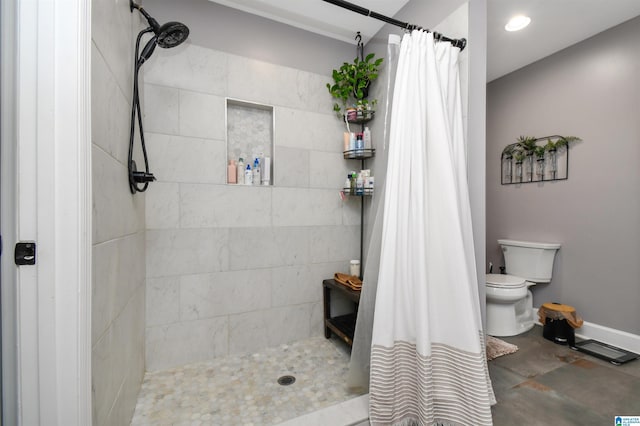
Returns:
<point x="25" y="253"/>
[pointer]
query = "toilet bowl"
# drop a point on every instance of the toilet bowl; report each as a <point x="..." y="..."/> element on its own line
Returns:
<point x="508" y="305"/>
<point x="509" y="299"/>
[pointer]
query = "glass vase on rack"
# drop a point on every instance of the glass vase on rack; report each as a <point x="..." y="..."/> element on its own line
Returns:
<point x="553" y="163"/>
<point x="540" y="168"/>
<point x="507" y="165"/>
<point x="519" y="158"/>
<point x="528" y="166"/>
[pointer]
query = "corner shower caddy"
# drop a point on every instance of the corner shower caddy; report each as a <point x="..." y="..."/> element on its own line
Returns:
<point x="518" y="168"/>
<point x="344" y="326"/>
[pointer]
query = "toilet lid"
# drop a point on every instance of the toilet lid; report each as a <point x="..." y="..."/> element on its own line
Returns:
<point x="504" y="281"/>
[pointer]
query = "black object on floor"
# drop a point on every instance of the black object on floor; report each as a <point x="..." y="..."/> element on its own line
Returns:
<point x="559" y="331"/>
<point x="614" y="355"/>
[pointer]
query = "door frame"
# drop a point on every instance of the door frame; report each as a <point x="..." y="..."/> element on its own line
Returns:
<point x="49" y="144"/>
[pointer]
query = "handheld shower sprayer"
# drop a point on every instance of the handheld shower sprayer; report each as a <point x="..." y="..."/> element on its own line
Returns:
<point x="166" y="36"/>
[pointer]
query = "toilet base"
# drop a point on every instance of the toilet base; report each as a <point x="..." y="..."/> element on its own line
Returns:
<point x="510" y="319"/>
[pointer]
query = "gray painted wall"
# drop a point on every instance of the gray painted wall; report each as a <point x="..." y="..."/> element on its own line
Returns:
<point x="228" y="30"/>
<point x="589" y="90"/>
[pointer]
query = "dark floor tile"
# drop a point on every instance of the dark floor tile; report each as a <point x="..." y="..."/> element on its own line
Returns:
<point x="503" y="380"/>
<point x="607" y="391"/>
<point x="536" y="355"/>
<point x="533" y="404"/>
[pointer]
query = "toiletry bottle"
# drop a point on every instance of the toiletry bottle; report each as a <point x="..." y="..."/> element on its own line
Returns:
<point x="354" y="267"/>
<point x="240" y="171"/>
<point x="346" y="137"/>
<point x="347" y="184"/>
<point x="248" y="175"/>
<point x="256" y="171"/>
<point x="266" y="171"/>
<point x="359" y="144"/>
<point x="232" y="174"/>
<point x="359" y="185"/>
<point x="366" y="135"/>
<point x="352" y="183"/>
<point x="352" y="143"/>
<point x="370" y="184"/>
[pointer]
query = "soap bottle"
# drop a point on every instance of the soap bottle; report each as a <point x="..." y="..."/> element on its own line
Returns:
<point x="366" y="135"/>
<point x="232" y="174"/>
<point x="359" y="185"/>
<point x="352" y="183"/>
<point x="256" y="171"/>
<point x="347" y="184"/>
<point x="359" y="145"/>
<point x="240" y="171"/>
<point x="248" y="175"/>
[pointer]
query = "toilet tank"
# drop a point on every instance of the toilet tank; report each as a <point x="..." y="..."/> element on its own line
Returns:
<point x="529" y="260"/>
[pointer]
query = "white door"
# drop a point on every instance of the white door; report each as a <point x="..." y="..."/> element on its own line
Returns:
<point x="46" y="198"/>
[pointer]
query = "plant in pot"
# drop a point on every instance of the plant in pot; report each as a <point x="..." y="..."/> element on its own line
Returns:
<point x="351" y="86"/>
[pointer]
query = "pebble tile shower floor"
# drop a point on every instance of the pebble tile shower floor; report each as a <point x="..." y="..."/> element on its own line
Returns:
<point x="243" y="390"/>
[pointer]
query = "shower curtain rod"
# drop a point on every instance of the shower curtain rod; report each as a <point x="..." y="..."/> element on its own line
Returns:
<point x="461" y="43"/>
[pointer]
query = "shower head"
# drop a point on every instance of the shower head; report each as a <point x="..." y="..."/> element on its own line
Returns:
<point x="172" y="34"/>
<point x="168" y="35"/>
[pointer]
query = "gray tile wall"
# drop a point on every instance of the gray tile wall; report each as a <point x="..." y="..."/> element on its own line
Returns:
<point x="118" y="291"/>
<point x="233" y="269"/>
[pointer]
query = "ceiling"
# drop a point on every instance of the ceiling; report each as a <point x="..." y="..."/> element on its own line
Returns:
<point x="555" y="24"/>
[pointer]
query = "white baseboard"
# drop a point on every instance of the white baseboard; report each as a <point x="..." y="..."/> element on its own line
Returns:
<point x="610" y="336"/>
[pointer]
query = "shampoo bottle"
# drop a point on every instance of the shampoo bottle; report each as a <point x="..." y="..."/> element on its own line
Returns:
<point x="240" y="171"/>
<point x="248" y="175"/>
<point x="266" y="171"/>
<point x="359" y="144"/>
<point x="366" y="135"/>
<point x="256" y="171"/>
<point x="359" y="185"/>
<point x="232" y="175"/>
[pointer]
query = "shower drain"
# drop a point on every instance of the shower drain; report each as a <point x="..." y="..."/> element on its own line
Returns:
<point x="286" y="380"/>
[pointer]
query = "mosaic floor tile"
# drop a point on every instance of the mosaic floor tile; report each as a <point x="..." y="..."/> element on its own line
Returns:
<point x="243" y="390"/>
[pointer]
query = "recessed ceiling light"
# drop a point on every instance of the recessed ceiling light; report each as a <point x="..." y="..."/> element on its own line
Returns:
<point x="517" y="23"/>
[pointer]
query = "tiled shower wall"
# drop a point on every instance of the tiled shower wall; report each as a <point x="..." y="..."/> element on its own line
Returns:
<point x="118" y="222"/>
<point x="232" y="269"/>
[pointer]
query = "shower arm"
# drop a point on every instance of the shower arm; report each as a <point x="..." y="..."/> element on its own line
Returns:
<point x="155" y="26"/>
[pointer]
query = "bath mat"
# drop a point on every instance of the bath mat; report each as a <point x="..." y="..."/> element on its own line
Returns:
<point x="497" y="348"/>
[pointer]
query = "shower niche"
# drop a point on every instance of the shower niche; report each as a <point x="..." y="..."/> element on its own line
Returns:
<point x="250" y="135"/>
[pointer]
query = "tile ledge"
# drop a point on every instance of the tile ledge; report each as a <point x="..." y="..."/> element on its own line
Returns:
<point x="352" y="412"/>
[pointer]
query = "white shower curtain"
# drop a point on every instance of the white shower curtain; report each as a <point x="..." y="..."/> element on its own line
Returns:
<point x="428" y="362"/>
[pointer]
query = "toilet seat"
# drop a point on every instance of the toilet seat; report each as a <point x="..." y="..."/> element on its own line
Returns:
<point x="505" y="281"/>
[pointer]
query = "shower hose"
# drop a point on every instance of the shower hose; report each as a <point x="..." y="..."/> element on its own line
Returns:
<point x="138" y="180"/>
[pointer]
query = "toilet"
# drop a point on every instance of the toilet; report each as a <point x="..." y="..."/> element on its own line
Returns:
<point x="509" y="300"/>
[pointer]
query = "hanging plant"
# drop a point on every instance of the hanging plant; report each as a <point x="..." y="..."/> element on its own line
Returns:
<point x="563" y="141"/>
<point x="527" y="144"/>
<point x="351" y="84"/>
